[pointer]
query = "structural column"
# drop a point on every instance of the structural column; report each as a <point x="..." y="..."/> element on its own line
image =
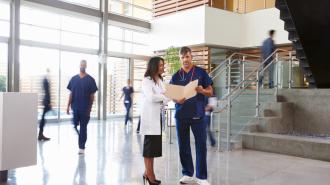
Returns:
<point x="103" y="37"/>
<point x="13" y="47"/>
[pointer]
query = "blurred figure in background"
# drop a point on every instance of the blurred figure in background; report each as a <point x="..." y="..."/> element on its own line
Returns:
<point x="47" y="106"/>
<point x="127" y="93"/>
<point x="268" y="48"/>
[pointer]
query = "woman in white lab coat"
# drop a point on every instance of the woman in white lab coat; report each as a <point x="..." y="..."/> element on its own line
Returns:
<point x="152" y="102"/>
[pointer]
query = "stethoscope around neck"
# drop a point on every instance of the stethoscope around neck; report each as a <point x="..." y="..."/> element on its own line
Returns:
<point x="181" y="73"/>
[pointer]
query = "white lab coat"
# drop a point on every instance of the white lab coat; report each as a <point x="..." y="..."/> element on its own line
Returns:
<point x="152" y="101"/>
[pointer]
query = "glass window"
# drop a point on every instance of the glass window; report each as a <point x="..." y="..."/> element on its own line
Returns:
<point x="80" y="25"/>
<point x="4" y="31"/>
<point x="33" y="64"/>
<point x="128" y="41"/>
<point x="55" y="28"/>
<point x="139" y="68"/>
<point x="3" y="67"/>
<point x="70" y="64"/>
<point x="128" y="35"/>
<point x="4" y="11"/>
<point x="37" y="17"/>
<point x="34" y="33"/>
<point x="115" y="32"/>
<point x="140" y="37"/>
<point x="128" y="47"/>
<point x="79" y="40"/>
<point x="89" y="3"/>
<point x="4" y="19"/>
<point x="141" y="50"/>
<point x="118" y="73"/>
<point x="115" y="45"/>
<point x="140" y="9"/>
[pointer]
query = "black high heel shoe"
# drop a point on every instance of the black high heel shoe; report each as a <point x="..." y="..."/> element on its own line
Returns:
<point x="145" y="178"/>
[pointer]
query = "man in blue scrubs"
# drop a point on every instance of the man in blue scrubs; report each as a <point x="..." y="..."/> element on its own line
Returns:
<point x="189" y="115"/>
<point x="127" y="93"/>
<point x="83" y="88"/>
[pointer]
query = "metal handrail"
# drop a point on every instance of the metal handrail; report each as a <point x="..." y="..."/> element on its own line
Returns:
<point x="231" y="96"/>
<point x="230" y="57"/>
<point x="253" y="72"/>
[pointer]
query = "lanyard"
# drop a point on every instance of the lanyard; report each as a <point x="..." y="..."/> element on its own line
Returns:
<point x="182" y="76"/>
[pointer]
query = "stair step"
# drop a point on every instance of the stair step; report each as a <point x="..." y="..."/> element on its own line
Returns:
<point x="285" y="14"/>
<point x="280" y="4"/>
<point x="293" y="36"/>
<point x="300" y="54"/>
<point x="314" y="148"/>
<point x="297" y="45"/>
<point x="289" y="25"/>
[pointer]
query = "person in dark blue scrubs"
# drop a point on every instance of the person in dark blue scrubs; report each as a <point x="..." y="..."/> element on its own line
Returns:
<point x="207" y="119"/>
<point x="127" y="93"/>
<point x="83" y="88"/>
<point x="47" y="107"/>
<point x="268" y="47"/>
<point x="189" y="115"/>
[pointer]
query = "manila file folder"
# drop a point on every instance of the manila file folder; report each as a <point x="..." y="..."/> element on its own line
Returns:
<point x="178" y="92"/>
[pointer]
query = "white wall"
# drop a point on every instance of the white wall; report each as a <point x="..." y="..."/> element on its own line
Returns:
<point x="210" y="26"/>
<point x="257" y="24"/>
<point x="179" y="29"/>
<point x="223" y="28"/>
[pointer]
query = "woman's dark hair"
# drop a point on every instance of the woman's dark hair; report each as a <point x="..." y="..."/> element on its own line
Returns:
<point x="152" y="69"/>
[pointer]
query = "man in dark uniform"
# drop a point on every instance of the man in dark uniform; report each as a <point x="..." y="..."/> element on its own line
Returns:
<point x="83" y="88"/>
<point x="268" y="47"/>
<point x="47" y="107"/>
<point x="189" y="115"/>
<point x="127" y="93"/>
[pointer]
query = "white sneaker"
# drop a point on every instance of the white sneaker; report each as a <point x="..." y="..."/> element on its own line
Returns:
<point x="203" y="182"/>
<point x="187" y="180"/>
<point x="81" y="151"/>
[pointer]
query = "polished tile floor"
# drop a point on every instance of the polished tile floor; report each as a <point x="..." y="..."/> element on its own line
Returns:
<point x="113" y="157"/>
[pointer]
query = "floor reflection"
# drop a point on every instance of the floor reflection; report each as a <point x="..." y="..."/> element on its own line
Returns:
<point x="114" y="157"/>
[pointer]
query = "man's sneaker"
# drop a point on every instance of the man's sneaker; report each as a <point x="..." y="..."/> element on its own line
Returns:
<point x="81" y="151"/>
<point x="203" y="182"/>
<point x="187" y="180"/>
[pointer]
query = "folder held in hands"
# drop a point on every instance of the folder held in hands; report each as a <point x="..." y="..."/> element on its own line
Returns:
<point x="178" y="92"/>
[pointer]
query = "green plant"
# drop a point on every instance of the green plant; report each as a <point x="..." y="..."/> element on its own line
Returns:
<point x="2" y="83"/>
<point x="173" y="60"/>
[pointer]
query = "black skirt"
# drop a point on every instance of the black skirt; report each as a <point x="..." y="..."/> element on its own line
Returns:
<point x="152" y="146"/>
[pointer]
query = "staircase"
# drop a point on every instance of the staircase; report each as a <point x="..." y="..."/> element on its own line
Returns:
<point x="308" y="23"/>
<point x="238" y="108"/>
<point x="289" y="26"/>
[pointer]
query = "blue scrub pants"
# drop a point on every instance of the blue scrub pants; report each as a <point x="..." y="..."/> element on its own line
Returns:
<point x="198" y="128"/>
<point x="81" y="118"/>
<point x="128" y="108"/>
<point x="207" y="120"/>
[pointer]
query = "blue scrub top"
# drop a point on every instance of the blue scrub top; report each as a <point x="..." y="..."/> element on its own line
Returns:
<point x="268" y="47"/>
<point x="192" y="108"/>
<point x="127" y="93"/>
<point x="81" y="90"/>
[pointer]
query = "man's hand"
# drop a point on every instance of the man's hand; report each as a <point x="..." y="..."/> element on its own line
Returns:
<point x="180" y="101"/>
<point x="208" y="108"/>
<point x="200" y="89"/>
<point x="68" y="110"/>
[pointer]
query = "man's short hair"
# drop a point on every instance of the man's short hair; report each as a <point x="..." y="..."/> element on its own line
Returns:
<point x="83" y="62"/>
<point x="184" y="50"/>
<point x="271" y="32"/>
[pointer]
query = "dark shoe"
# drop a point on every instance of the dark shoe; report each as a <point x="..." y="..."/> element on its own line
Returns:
<point x="43" y="138"/>
<point x="145" y="178"/>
